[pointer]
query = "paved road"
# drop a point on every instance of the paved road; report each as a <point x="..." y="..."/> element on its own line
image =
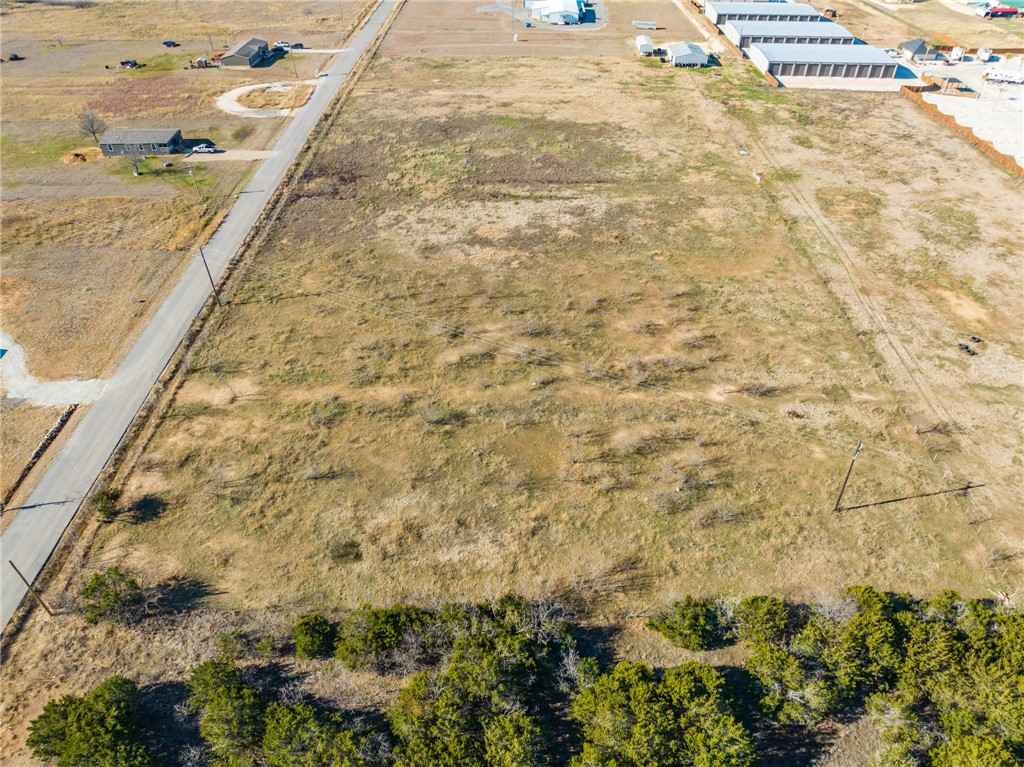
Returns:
<point x="35" y="532"/>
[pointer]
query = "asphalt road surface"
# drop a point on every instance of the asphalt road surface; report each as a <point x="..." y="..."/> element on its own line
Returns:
<point x="33" y="535"/>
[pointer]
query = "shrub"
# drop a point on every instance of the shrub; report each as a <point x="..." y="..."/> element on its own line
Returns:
<point x="111" y="595"/>
<point x="232" y="721"/>
<point x="99" y="729"/>
<point x="314" y="636"/>
<point x="369" y="637"/>
<point x="208" y="677"/>
<point x="691" y="624"/>
<point x="301" y="736"/>
<point x="106" y="503"/>
<point x="761" y="619"/>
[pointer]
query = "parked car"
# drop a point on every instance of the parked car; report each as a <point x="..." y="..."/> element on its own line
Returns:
<point x="296" y="45"/>
<point x="169" y="44"/>
<point x="204" y="149"/>
<point x="282" y="44"/>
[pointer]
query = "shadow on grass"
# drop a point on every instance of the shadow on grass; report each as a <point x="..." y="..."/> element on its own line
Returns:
<point x="146" y="509"/>
<point x="176" y="595"/>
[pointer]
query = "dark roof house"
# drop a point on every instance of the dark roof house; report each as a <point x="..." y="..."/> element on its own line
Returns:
<point x="248" y="53"/>
<point x="141" y="142"/>
<point x="918" y="50"/>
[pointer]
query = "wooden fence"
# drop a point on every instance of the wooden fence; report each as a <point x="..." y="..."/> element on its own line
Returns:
<point x="913" y="93"/>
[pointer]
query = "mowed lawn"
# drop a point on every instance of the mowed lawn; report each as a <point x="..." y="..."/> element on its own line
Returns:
<point x="542" y="329"/>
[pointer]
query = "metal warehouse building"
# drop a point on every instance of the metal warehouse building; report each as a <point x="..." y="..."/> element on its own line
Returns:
<point x="719" y="13"/>
<point x="745" y="33"/>
<point x="822" y="60"/>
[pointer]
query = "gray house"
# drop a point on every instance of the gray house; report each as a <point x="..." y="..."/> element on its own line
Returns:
<point x="141" y="142"/>
<point x="248" y="53"/>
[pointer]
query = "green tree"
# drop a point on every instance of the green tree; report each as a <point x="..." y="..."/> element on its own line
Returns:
<point x="789" y="692"/>
<point x="232" y="722"/>
<point x="761" y="619"/>
<point x="314" y="636"/>
<point x="691" y="624"/>
<point x="369" y="637"/>
<point x="630" y="718"/>
<point x="208" y="677"/>
<point x="513" y="740"/>
<point x="98" y="730"/>
<point x="300" y="736"/>
<point x="865" y="656"/>
<point x="973" y="751"/>
<point x="111" y="595"/>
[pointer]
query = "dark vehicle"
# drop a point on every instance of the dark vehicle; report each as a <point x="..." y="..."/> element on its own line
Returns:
<point x="15" y="57"/>
<point x="169" y="44"/>
<point x="297" y="45"/>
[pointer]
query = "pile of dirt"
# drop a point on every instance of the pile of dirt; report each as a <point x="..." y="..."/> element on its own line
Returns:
<point x="86" y="154"/>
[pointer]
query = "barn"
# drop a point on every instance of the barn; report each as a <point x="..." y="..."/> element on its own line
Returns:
<point x="742" y="34"/>
<point x="822" y="60"/>
<point x="718" y="13"/>
<point x="141" y="142"/>
<point x="248" y="53"/>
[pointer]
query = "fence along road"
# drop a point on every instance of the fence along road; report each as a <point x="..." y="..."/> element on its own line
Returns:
<point x="35" y="532"/>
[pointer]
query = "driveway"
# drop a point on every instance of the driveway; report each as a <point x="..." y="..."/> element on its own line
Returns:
<point x="228" y="102"/>
<point x="35" y="532"/>
<point x="230" y="154"/>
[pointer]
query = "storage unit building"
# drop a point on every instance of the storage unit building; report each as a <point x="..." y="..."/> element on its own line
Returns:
<point x="743" y="34"/>
<point x="248" y="53"/>
<point x="141" y="142"/>
<point x="822" y="60"/>
<point x="685" y="55"/>
<point x="644" y="45"/>
<point x="719" y="13"/>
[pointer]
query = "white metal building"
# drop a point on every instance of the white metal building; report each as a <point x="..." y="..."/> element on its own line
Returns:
<point x="644" y="45"/>
<point x="685" y="55"/>
<point x="822" y="60"/>
<point x="557" y="11"/>
<point x="742" y="34"/>
<point x="719" y="13"/>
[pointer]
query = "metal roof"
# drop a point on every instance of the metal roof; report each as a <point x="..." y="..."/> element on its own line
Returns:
<point x="764" y="9"/>
<point x="917" y="45"/>
<point x="795" y="28"/>
<point x="684" y="49"/>
<point x="644" y="40"/>
<point x="139" y="135"/>
<point x="823" y="54"/>
<point x="247" y="48"/>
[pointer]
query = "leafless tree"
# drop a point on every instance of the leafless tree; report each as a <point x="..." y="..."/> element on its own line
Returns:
<point x="91" y="124"/>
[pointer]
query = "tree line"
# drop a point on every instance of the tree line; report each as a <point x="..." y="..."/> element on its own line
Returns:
<point x="507" y="684"/>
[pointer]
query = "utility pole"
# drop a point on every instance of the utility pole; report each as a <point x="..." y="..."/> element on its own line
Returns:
<point x="860" y="446"/>
<point x="213" y="285"/>
<point x="196" y="183"/>
<point x="31" y="590"/>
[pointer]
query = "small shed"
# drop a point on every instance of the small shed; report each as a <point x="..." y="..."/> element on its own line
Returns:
<point x="141" y="142"/>
<point x="685" y="55"/>
<point x="644" y="45"/>
<point x="248" y="53"/>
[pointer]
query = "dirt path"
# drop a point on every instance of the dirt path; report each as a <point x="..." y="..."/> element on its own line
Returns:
<point x="18" y="383"/>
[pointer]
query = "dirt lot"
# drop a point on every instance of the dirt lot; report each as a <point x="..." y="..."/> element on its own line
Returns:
<point x="594" y="330"/>
<point x="457" y="28"/>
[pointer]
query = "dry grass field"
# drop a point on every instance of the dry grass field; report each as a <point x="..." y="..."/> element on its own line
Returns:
<point x="276" y="97"/>
<point x="583" y="328"/>
<point x="938" y="21"/>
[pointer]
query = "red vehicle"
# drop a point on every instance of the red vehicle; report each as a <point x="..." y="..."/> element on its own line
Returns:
<point x="998" y="12"/>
